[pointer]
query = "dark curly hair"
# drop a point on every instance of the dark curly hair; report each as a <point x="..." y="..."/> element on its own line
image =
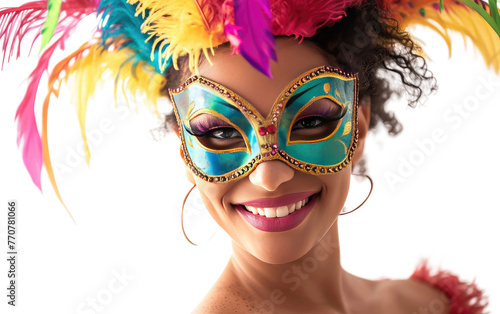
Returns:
<point x="368" y="42"/>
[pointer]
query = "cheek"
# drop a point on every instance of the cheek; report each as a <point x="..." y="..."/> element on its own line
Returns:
<point x="335" y="191"/>
<point x="212" y="195"/>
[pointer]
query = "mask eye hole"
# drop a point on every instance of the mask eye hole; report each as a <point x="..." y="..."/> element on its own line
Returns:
<point x="215" y="133"/>
<point x="317" y="121"/>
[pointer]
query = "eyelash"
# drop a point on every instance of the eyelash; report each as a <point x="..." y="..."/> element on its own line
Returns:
<point x="322" y="122"/>
<point x="210" y="132"/>
<point x="208" y="128"/>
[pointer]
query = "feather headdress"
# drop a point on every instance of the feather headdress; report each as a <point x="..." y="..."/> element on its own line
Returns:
<point x="136" y="40"/>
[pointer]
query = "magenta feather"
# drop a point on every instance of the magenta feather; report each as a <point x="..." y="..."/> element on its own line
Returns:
<point x="231" y="32"/>
<point x="15" y="24"/>
<point x="254" y="40"/>
<point x="28" y="137"/>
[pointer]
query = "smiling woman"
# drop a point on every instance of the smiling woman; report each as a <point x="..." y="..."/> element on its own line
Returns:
<point x="272" y="103"/>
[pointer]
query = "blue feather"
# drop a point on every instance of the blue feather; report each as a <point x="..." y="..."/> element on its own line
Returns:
<point x="119" y="22"/>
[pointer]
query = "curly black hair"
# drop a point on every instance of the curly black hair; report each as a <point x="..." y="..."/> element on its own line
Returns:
<point x="366" y="41"/>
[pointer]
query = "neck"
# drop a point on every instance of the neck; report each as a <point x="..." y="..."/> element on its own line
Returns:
<point x="314" y="279"/>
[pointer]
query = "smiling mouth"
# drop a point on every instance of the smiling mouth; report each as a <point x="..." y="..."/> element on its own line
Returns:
<point x="277" y="212"/>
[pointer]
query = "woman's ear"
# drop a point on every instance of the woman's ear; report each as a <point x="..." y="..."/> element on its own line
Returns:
<point x="364" y="110"/>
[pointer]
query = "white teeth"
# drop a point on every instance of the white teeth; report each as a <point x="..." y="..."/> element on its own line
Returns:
<point x="282" y="211"/>
<point x="298" y="205"/>
<point x="252" y="209"/>
<point x="270" y="212"/>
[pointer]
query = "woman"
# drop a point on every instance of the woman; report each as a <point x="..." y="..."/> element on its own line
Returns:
<point x="290" y="263"/>
<point x="266" y="272"/>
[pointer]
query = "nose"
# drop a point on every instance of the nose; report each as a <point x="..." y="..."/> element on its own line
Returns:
<point x="271" y="174"/>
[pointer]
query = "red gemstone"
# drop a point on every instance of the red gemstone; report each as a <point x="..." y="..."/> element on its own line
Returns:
<point x="273" y="152"/>
<point x="262" y="131"/>
<point x="271" y="129"/>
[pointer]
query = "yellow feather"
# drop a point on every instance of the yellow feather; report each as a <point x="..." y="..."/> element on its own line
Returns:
<point x="455" y="17"/>
<point x="91" y="62"/>
<point x="103" y="64"/>
<point x="179" y="24"/>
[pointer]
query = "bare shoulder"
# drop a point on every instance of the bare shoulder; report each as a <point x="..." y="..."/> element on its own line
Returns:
<point x="413" y="297"/>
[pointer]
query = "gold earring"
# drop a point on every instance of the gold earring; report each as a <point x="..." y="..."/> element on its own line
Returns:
<point x="344" y="210"/>
<point x="196" y="217"/>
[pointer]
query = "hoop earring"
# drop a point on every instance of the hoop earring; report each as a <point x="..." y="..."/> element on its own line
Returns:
<point x="196" y="214"/>
<point x="344" y="210"/>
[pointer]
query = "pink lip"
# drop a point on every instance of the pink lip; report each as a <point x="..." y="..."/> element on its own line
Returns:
<point x="278" y="201"/>
<point x="277" y="224"/>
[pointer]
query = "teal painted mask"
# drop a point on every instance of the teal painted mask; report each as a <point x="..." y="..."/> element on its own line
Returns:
<point x="312" y="126"/>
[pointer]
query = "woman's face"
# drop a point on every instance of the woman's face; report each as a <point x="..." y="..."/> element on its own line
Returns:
<point x="272" y="183"/>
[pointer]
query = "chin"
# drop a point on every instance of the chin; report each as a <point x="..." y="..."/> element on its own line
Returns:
<point x="284" y="247"/>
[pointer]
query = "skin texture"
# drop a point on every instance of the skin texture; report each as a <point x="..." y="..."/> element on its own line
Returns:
<point x="296" y="271"/>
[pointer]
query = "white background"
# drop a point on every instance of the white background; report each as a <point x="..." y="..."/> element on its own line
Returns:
<point x="127" y="202"/>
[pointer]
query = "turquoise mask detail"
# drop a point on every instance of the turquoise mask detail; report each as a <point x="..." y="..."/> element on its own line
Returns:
<point x="312" y="126"/>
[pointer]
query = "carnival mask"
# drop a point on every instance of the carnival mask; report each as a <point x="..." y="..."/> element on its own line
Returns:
<point x="312" y="126"/>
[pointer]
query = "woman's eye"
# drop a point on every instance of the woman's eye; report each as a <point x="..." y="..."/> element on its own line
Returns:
<point x="318" y="121"/>
<point x="224" y="133"/>
<point x="307" y="123"/>
<point x="215" y="133"/>
<point x="221" y="138"/>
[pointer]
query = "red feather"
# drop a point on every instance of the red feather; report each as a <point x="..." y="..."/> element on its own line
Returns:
<point x="302" y="18"/>
<point x="15" y="23"/>
<point x="465" y="298"/>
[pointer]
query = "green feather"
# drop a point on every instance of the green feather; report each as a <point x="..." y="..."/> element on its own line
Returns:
<point x="494" y="11"/>
<point x="492" y="19"/>
<point x="50" y="24"/>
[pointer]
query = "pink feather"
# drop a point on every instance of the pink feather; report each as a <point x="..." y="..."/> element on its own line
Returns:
<point x="252" y="22"/>
<point x="15" y="23"/>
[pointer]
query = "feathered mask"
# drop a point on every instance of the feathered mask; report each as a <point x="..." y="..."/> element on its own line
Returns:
<point x="136" y="40"/>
